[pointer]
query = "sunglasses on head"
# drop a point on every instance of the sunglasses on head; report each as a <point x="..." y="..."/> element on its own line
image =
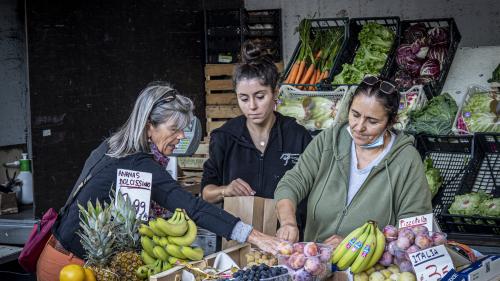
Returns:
<point x="166" y="98"/>
<point x="385" y="87"/>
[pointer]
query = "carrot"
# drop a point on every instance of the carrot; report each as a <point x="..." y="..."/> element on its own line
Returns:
<point x="293" y="73"/>
<point x="308" y="74"/>
<point x="323" y="75"/>
<point x="302" y="66"/>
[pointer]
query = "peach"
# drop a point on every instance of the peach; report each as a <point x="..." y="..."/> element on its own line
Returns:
<point x="285" y="248"/>
<point x="311" y="249"/>
<point x="312" y="265"/>
<point x="297" y="260"/>
<point x="298" y="248"/>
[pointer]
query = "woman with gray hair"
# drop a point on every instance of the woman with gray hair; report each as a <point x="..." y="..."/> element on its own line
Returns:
<point x="142" y="144"/>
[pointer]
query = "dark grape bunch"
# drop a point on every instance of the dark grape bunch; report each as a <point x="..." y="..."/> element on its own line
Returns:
<point x="258" y="272"/>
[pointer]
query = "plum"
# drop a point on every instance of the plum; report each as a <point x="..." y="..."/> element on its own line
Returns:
<point x="439" y="238"/>
<point x="411" y="250"/>
<point x="285" y="248"/>
<point x="297" y="260"/>
<point x="408" y="233"/>
<point x="420" y="229"/>
<point x="386" y="259"/>
<point x="403" y="242"/>
<point x="311" y="249"/>
<point x="390" y="233"/>
<point x="423" y="241"/>
<point x="298" y="248"/>
<point x="312" y="265"/>
<point x="405" y="266"/>
<point x="392" y="247"/>
<point x="302" y="275"/>
<point x="325" y="253"/>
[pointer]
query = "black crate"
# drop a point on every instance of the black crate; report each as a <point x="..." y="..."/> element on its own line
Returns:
<point x="223" y="34"/>
<point x="434" y="88"/>
<point x="483" y="175"/>
<point x="451" y="155"/>
<point x="318" y="25"/>
<point x="348" y="51"/>
<point x="269" y="32"/>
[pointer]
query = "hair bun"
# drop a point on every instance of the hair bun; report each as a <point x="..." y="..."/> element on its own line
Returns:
<point x="252" y="51"/>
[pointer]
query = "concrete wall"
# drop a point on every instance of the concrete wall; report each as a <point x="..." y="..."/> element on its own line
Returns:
<point x="477" y="20"/>
<point x="12" y="74"/>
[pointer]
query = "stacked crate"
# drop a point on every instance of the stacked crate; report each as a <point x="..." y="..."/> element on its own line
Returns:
<point x="221" y="102"/>
<point x="191" y="168"/>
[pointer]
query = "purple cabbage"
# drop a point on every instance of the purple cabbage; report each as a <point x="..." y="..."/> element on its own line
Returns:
<point x="407" y="60"/>
<point x="420" y="48"/>
<point x="431" y="68"/>
<point x="438" y="52"/>
<point x="438" y="35"/>
<point x="403" y="79"/>
<point x="423" y="80"/>
<point x="415" y="32"/>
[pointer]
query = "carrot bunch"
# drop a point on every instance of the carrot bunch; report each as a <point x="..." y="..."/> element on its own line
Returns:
<point x="316" y="55"/>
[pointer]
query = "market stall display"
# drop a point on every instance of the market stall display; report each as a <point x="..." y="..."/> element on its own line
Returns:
<point x="479" y="112"/>
<point x="435" y="118"/>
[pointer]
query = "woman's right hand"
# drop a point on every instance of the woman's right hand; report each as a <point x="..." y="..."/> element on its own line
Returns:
<point x="288" y="232"/>
<point x="265" y="242"/>
<point x="238" y="187"/>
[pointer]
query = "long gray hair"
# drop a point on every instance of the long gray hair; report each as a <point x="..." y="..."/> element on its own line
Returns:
<point x="155" y="106"/>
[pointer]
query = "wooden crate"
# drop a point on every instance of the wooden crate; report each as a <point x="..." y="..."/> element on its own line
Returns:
<point x="217" y="115"/>
<point x="237" y="253"/>
<point x="219" y="85"/>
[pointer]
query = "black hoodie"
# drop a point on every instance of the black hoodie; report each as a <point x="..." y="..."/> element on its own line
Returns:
<point x="233" y="154"/>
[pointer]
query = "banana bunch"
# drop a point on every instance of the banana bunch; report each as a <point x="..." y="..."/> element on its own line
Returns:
<point x="166" y="243"/>
<point x="361" y="249"/>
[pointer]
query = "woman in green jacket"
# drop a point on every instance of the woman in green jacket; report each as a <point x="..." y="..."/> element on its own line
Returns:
<point x="355" y="171"/>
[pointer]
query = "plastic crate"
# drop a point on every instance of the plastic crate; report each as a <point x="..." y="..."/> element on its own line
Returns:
<point x="288" y="92"/>
<point x="434" y="88"/>
<point x="415" y="94"/>
<point x="451" y="155"/>
<point x="316" y="26"/>
<point x="459" y="126"/>
<point x="483" y="175"/>
<point x="265" y="26"/>
<point x="223" y="35"/>
<point x="348" y="51"/>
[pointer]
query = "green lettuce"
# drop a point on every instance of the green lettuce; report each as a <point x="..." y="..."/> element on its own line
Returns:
<point x="480" y="113"/>
<point x="435" y="118"/>
<point x="468" y="204"/>
<point x="433" y="176"/>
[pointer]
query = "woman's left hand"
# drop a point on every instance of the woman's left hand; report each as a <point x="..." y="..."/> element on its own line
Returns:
<point x="265" y="242"/>
<point x="334" y="241"/>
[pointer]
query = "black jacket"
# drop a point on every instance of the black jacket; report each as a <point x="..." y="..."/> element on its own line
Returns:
<point x="165" y="190"/>
<point x="233" y="155"/>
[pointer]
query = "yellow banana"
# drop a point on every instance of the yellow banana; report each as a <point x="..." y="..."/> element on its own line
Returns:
<point x="144" y="230"/>
<point x="156" y="239"/>
<point x="347" y="243"/>
<point x="172" y="229"/>
<point x="160" y="253"/>
<point x="175" y="251"/>
<point x="166" y="266"/>
<point x="153" y="224"/>
<point x="158" y="266"/>
<point x="147" y="258"/>
<point x="163" y="241"/>
<point x="351" y="254"/>
<point x="174" y="219"/>
<point x="379" y="249"/>
<point x="194" y="254"/>
<point x="188" y="238"/>
<point x="175" y="261"/>
<point x="147" y="245"/>
<point x="142" y="272"/>
<point x="366" y="252"/>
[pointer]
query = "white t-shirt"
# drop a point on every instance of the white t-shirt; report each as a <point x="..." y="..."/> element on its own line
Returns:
<point x="358" y="176"/>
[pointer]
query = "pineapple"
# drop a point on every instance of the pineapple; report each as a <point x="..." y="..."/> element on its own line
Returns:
<point x="98" y="239"/>
<point x="127" y="260"/>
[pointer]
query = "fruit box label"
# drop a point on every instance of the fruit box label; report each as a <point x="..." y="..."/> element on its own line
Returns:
<point x="431" y="264"/>
<point x="426" y="220"/>
<point x="137" y="185"/>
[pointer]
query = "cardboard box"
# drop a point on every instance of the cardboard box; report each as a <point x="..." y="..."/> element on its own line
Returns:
<point x="257" y="211"/>
<point x="485" y="269"/>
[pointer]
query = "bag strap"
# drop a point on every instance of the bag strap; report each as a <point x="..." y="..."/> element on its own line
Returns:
<point x="97" y="165"/>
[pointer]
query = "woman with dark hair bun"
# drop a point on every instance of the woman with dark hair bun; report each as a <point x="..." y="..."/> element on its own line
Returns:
<point x="356" y="171"/>
<point x="250" y="153"/>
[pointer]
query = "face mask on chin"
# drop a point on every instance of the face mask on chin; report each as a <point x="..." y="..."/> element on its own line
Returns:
<point x="378" y="142"/>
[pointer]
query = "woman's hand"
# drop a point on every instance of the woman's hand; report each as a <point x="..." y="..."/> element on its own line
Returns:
<point x="288" y="232"/>
<point x="265" y="242"/>
<point x="334" y="241"/>
<point x="238" y="187"/>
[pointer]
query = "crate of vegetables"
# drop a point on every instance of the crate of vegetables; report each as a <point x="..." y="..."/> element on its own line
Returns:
<point x="479" y="112"/>
<point x="315" y="110"/>
<point x="425" y="54"/>
<point x="446" y="160"/>
<point x="369" y="50"/>
<point x="476" y="206"/>
<point x="314" y="57"/>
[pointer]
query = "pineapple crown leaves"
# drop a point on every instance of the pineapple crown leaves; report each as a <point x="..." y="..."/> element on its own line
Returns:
<point x="125" y="216"/>
<point x="97" y="233"/>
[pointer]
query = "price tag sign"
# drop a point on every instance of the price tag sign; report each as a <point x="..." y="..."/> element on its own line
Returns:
<point x="431" y="264"/>
<point x="425" y="220"/>
<point x="137" y="186"/>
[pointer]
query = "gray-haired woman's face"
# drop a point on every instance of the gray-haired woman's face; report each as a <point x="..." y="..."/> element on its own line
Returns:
<point x="165" y="136"/>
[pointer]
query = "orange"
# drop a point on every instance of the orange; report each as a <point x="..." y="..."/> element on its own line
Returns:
<point x="89" y="274"/>
<point x="72" y="272"/>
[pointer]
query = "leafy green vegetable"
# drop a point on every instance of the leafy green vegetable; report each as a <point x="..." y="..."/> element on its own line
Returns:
<point x="479" y="113"/>
<point x="433" y="176"/>
<point x="490" y="208"/>
<point x="375" y="42"/>
<point x="312" y="112"/>
<point x="468" y="204"/>
<point x="435" y="118"/>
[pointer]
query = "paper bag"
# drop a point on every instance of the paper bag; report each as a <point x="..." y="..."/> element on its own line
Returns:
<point x="257" y="211"/>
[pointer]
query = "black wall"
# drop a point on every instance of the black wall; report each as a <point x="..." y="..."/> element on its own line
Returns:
<point x="87" y="62"/>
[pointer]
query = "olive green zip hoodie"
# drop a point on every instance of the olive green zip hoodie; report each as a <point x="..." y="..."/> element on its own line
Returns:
<point x="395" y="188"/>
